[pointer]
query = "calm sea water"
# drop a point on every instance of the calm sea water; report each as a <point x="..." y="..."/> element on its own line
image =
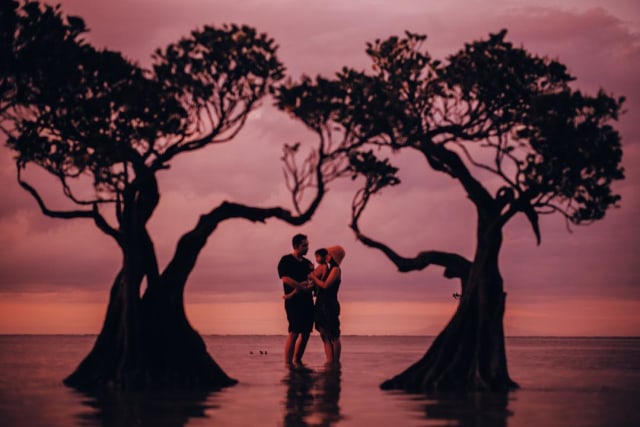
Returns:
<point x="564" y="382"/>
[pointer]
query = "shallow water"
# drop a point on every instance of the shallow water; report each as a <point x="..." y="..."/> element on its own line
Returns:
<point x="564" y="382"/>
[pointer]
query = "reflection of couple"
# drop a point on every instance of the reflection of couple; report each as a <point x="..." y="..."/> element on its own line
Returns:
<point x="312" y="398"/>
<point x="299" y="279"/>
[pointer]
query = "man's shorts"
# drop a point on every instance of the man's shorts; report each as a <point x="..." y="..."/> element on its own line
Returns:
<point x="299" y="314"/>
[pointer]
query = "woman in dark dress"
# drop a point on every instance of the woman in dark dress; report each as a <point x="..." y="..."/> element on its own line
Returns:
<point x="327" y="307"/>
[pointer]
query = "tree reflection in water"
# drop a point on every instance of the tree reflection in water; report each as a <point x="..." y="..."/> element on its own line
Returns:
<point x="468" y="409"/>
<point x="312" y="397"/>
<point x="151" y="408"/>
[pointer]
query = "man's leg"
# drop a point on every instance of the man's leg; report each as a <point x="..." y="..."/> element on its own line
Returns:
<point x="301" y="345"/>
<point x="337" y="349"/>
<point x="289" y="346"/>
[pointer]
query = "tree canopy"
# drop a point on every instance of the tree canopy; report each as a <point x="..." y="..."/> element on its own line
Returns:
<point x="491" y="107"/>
<point x="76" y="110"/>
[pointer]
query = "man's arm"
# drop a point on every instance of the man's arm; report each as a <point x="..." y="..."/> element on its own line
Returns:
<point x="290" y="294"/>
<point x="302" y="286"/>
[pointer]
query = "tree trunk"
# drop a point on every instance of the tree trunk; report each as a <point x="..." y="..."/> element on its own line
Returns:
<point x="166" y="353"/>
<point x="177" y="354"/>
<point x="469" y="354"/>
<point x="99" y="368"/>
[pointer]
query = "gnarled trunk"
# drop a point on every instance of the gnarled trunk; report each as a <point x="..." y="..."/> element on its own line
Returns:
<point x="177" y="354"/>
<point x="147" y="343"/>
<point x="470" y="352"/>
<point x="157" y="349"/>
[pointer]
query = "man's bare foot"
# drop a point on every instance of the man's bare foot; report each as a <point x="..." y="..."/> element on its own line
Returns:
<point x="299" y="366"/>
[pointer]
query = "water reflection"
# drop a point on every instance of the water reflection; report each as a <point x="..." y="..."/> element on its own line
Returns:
<point x="327" y="392"/>
<point x="467" y="409"/>
<point x="312" y="397"/>
<point x="157" y="408"/>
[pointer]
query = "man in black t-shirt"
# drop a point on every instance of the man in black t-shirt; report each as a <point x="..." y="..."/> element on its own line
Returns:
<point x="293" y="269"/>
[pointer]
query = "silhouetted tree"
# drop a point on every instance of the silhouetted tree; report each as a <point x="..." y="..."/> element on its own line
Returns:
<point x="492" y="111"/>
<point x="89" y="116"/>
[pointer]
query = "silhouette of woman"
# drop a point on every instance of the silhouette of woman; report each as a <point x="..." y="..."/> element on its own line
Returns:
<point x="327" y="307"/>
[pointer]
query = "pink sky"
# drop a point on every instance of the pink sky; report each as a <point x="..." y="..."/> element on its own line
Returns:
<point x="55" y="275"/>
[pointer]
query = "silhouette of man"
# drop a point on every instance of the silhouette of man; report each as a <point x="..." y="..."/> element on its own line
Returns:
<point x="293" y="269"/>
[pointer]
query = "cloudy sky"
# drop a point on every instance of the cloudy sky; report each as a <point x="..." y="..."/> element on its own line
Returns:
<point x="55" y="275"/>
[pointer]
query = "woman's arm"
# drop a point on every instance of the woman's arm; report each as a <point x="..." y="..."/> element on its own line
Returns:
<point x="334" y="275"/>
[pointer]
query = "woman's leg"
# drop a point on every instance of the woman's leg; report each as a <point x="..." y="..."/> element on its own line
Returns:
<point x="328" y="348"/>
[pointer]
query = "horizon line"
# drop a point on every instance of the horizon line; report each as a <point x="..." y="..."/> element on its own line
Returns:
<point x="345" y="335"/>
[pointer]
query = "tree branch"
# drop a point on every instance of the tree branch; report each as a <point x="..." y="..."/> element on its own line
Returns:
<point x="192" y="243"/>
<point x="444" y="160"/>
<point x="94" y="213"/>
<point x="456" y="266"/>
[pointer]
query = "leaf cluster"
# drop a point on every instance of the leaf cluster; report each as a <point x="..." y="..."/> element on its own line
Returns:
<point x="214" y="62"/>
<point x="576" y="153"/>
<point x="76" y="110"/>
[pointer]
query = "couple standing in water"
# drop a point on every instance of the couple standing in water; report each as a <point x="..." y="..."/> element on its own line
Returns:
<point x="301" y="281"/>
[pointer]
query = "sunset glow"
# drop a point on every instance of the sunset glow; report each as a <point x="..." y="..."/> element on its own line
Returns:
<point x="50" y="314"/>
